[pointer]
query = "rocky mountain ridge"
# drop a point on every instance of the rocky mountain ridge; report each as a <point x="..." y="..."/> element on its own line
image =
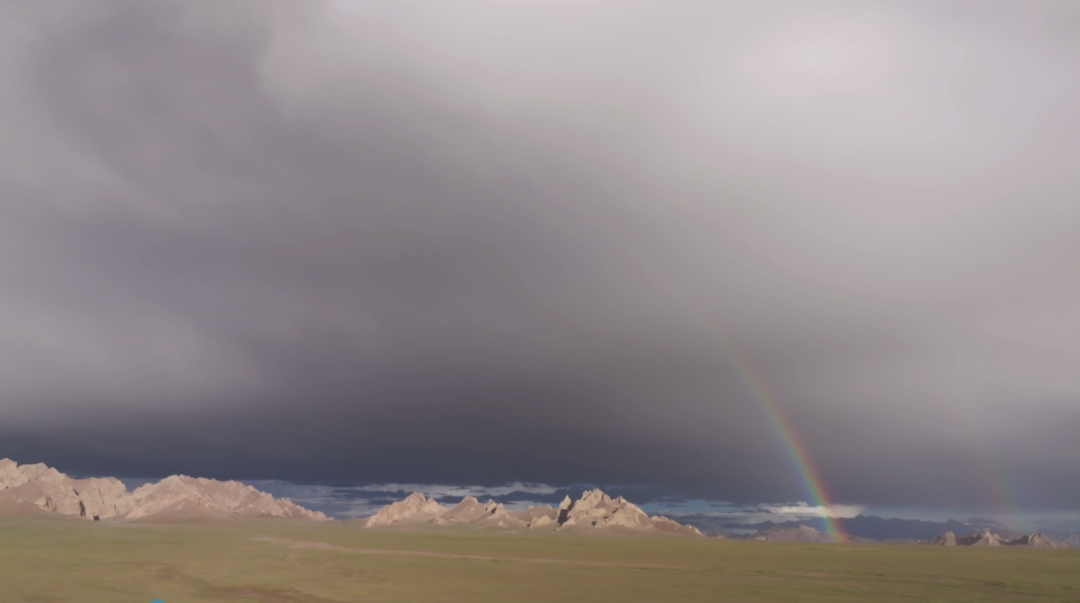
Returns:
<point x="868" y="528"/>
<point x="594" y="510"/>
<point x="29" y="490"/>
<point x="988" y="538"/>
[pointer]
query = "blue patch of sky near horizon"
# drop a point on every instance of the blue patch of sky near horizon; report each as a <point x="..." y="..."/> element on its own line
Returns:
<point x="346" y="502"/>
<point x="359" y="501"/>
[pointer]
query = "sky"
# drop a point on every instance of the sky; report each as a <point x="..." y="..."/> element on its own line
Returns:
<point x="476" y="243"/>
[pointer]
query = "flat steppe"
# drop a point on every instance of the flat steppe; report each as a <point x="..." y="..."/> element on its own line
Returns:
<point x="299" y="562"/>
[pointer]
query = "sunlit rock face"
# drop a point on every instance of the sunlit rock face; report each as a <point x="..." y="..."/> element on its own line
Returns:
<point x="500" y="518"/>
<point x="467" y="511"/>
<point x="183" y="492"/>
<point x="177" y="496"/>
<point x="984" y="538"/>
<point x="663" y="524"/>
<point x="415" y="508"/>
<point x="594" y="510"/>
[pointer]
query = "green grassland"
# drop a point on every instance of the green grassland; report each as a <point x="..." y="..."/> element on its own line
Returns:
<point x="269" y="562"/>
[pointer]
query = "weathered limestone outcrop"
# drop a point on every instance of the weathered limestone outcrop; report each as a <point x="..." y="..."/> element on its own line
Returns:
<point x="100" y="497"/>
<point x="592" y="511"/>
<point x="596" y="509"/>
<point x="108" y="498"/>
<point x="178" y="492"/>
<point x="670" y="526"/>
<point x="984" y="538"/>
<point x="538" y="517"/>
<point x="416" y="508"/>
<point x="468" y="510"/>
<point x="541" y="522"/>
<point x="500" y="518"/>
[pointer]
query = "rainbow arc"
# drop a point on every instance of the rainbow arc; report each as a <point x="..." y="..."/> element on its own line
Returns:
<point x="804" y="467"/>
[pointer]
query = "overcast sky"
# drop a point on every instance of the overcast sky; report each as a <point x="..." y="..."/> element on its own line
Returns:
<point x="476" y="242"/>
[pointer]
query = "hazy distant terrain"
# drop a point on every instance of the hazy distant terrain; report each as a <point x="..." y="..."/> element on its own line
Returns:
<point x="863" y="526"/>
<point x="271" y="561"/>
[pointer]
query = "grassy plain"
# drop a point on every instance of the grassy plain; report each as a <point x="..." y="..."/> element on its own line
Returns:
<point x="271" y="562"/>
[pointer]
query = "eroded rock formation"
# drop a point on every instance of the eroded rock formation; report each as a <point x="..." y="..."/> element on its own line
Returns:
<point x="416" y="508"/>
<point x="988" y="538"/>
<point x="984" y="538"/>
<point x="175" y="497"/>
<point x="593" y="510"/>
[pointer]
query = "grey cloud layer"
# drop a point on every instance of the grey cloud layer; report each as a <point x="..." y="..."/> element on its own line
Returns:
<point x="486" y="242"/>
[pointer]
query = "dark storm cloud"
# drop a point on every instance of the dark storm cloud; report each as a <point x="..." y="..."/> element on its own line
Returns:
<point x="490" y="242"/>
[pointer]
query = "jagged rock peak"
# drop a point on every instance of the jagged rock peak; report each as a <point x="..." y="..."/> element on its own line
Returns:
<point x="663" y="524"/>
<point x="415" y="508"/>
<point x="988" y="538"/>
<point x="1036" y="539"/>
<point x="591" y="499"/>
<point x="594" y="509"/>
<point x="984" y="538"/>
<point x="541" y="521"/>
<point x="468" y="510"/>
<point x="499" y="517"/>
<point x="598" y="510"/>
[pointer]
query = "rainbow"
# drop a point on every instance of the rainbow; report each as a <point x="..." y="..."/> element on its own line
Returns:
<point x="808" y="474"/>
<point x="997" y="485"/>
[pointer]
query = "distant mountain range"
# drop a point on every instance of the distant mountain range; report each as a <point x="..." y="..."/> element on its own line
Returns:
<point x="39" y="491"/>
<point x="868" y="527"/>
<point x="595" y="510"/>
<point x="43" y="492"/>
<point x="977" y="532"/>
<point x="988" y="538"/>
<point x="803" y="533"/>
